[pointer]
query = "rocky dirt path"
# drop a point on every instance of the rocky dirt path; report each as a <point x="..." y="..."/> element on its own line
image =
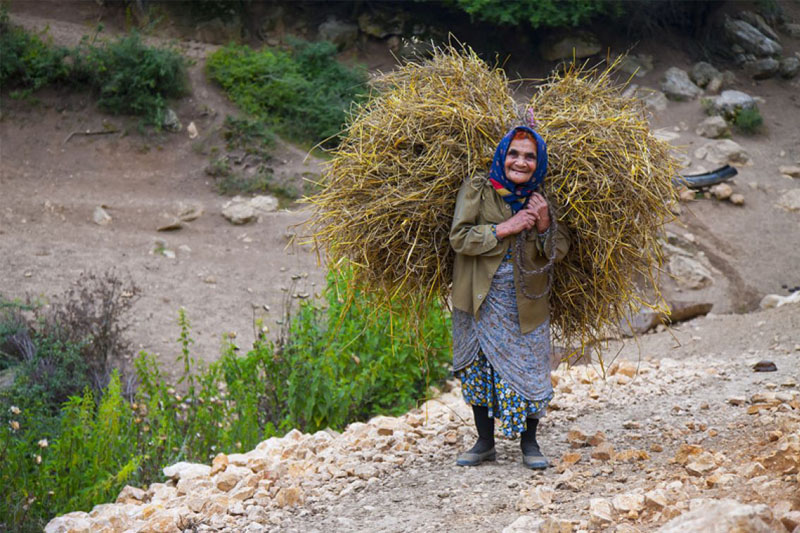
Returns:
<point x="664" y="434"/>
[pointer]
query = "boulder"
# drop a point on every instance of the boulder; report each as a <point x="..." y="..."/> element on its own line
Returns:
<point x="724" y="151"/>
<point x="713" y="128"/>
<point x="702" y="73"/>
<point x="790" y="200"/>
<point x="171" y="122"/>
<point x="381" y="25"/>
<point x="638" y="65"/>
<point x="689" y="273"/>
<point x="535" y="498"/>
<point x="654" y="100"/>
<point x="625" y="503"/>
<point x="728" y="103"/>
<point x="758" y="22"/>
<point x="737" y="199"/>
<point x="343" y="34"/>
<point x="578" y="45"/>
<point x="789" y="67"/>
<point x="776" y="300"/>
<point x="682" y="311"/>
<point x="723" y="515"/>
<point x="238" y="213"/>
<point x="763" y="68"/>
<point x="792" y="29"/>
<point x="677" y="85"/>
<point x="750" y="39"/>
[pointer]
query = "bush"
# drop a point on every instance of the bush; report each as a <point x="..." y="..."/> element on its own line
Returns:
<point x="539" y="13"/>
<point x="26" y="61"/>
<point x="748" y="121"/>
<point x="132" y="78"/>
<point x="303" y="93"/>
<point x="337" y="361"/>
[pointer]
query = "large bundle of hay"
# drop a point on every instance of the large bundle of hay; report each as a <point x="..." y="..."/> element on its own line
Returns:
<point x="390" y="188"/>
<point x="611" y="180"/>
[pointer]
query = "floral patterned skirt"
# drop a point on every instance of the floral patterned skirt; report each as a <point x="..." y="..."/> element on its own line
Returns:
<point x="482" y="386"/>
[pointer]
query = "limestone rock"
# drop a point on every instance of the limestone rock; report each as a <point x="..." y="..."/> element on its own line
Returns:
<point x="685" y="451"/>
<point x="654" y="100"/>
<point x="702" y="73"/>
<point x="579" y="44"/>
<point x="264" y="203"/>
<point x="577" y="438"/>
<point x="790" y="171"/>
<point x="724" y="151"/>
<point x="101" y="216"/>
<point x="677" y="85"/>
<point x="713" y="128"/>
<point x="721" y="191"/>
<point x="792" y="29"/>
<point x="624" y="503"/>
<point x="189" y="211"/>
<point x="535" y="497"/>
<point x="603" y="452"/>
<point x="185" y="470"/>
<point x="76" y="522"/>
<point x="791" y="520"/>
<point x="789" y="67"/>
<point x="763" y="69"/>
<point x="701" y="464"/>
<point x="790" y="200"/>
<point x="656" y="499"/>
<point x="525" y="524"/>
<point x="722" y="516"/>
<point x="171" y="122"/>
<point x="219" y="464"/>
<point x="749" y="38"/>
<point x="238" y="213"/>
<point x="681" y="311"/>
<point x="637" y="65"/>
<point x="689" y="273"/>
<point x="729" y="103"/>
<point x="289" y="497"/>
<point x="758" y="22"/>
<point x="737" y="199"/>
<point x="600" y="511"/>
<point x="131" y="495"/>
<point x="191" y="129"/>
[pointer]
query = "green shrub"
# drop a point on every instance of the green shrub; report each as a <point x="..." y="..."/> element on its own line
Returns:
<point x="748" y="121"/>
<point x="339" y="360"/>
<point x="303" y="93"/>
<point x="539" y="13"/>
<point x="27" y="62"/>
<point x="132" y="78"/>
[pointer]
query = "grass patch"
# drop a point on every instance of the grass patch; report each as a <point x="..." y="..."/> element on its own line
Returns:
<point x="748" y="121"/>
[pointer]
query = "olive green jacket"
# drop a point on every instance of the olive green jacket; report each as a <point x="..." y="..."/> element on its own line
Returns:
<point x="479" y="253"/>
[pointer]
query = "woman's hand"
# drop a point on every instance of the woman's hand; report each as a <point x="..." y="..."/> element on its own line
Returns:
<point x="537" y="205"/>
<point x="524" y="219"/>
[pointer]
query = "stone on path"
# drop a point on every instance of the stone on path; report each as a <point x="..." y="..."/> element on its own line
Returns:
<point x="749" y="38"/>
<point x="790" y="200"/>
<point x="790" y="171"/>
<point x="677" y="85"/>
<point x="101" y="216"/>
<point x="712" y="128"/>
<point x="722" y="152"/>
<point x="723" y="516"/>
<point x="729" y="103"/>
<point x="525" y="524"/>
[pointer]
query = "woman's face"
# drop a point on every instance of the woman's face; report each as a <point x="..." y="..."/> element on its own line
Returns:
<point x="520" y="161"/>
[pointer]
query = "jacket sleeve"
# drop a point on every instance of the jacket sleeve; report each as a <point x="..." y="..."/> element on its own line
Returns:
<point x="467" y="237"/>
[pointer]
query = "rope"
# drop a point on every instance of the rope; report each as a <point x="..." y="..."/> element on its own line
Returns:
<point x="547" y="268"/>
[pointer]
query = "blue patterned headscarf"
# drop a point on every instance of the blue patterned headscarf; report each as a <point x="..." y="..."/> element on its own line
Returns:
<point x="517" y="195"/>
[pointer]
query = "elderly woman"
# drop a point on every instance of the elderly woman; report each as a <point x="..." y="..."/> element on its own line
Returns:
<point x="506" y="242"/>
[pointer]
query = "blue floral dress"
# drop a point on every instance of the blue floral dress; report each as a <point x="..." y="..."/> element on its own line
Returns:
<point x="499" y="367"/>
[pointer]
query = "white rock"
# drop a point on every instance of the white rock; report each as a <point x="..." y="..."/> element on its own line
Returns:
<point x="689" y="273"/>
<point x="790" y="200"/>
<point x="722" y="516"/>
<point x="723" y="151"/>
<point x="191" y="129"/>
<point x="677" y="85"/>
<point x="712" y="127"/>
<point x="790" y="171"/>
<point x="263" y="203"/>
<point x="238" y="213"/>
<point x="600" y="511"/>
<point x="525" y="524"/>
<point x="625" y="503"/>
<point x="776" y="300"/>
<point x="535" y="497"/>
<point x="101" y="216"/>
<point x="184" y="470"/>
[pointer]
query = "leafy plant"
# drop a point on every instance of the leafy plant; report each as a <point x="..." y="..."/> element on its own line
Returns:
<point x="131" y="77"/>
<point x="748" y="120"/>
<point x="539" y="13"/>
<point x="27" y="62"/>
<point x="303" y="93"/>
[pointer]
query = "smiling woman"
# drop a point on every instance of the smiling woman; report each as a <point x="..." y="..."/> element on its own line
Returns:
<point x="505" y="245"/>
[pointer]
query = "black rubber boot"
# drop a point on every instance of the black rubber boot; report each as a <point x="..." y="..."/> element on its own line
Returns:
<point x="483" y="450"/>
<point x="531" y="455"/>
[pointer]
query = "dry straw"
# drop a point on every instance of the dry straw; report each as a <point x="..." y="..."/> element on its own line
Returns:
<point x="389" y="190"/>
